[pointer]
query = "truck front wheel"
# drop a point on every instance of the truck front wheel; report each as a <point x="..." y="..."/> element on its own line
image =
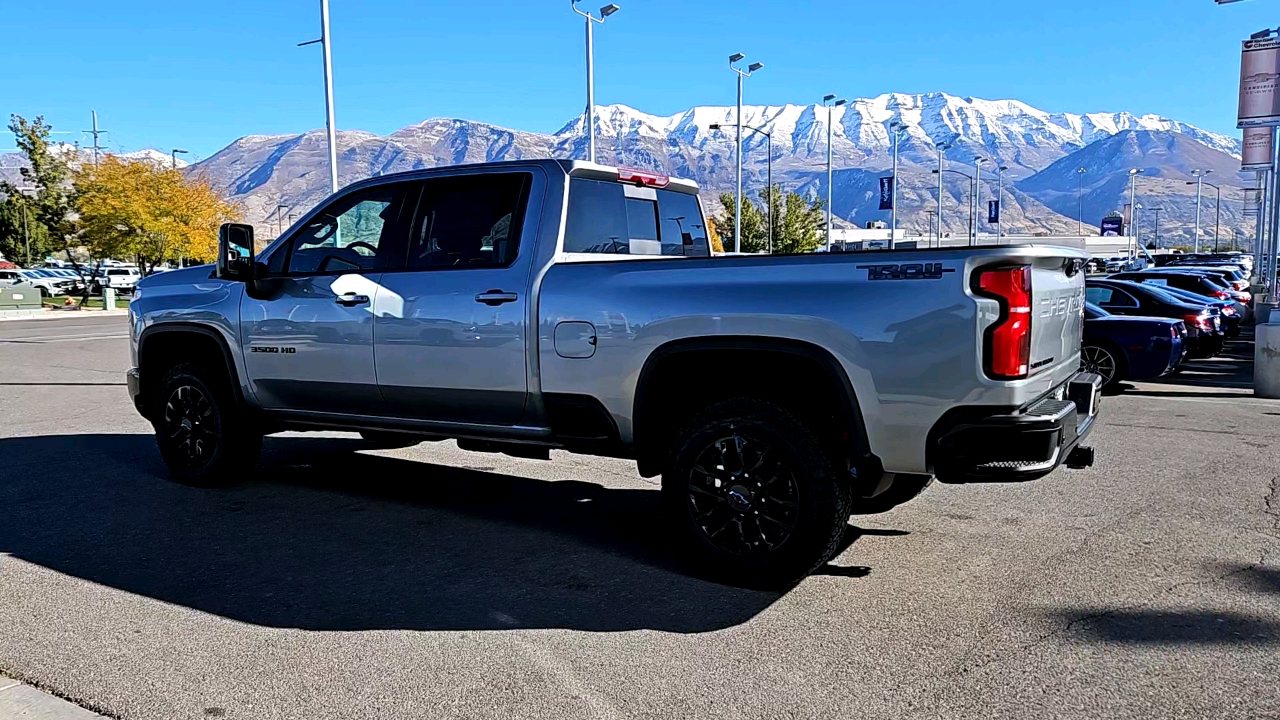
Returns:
<point x="753" y="497"/>
<point x="203" y="437"/>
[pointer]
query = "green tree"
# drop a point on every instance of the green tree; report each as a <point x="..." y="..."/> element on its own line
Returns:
<point x="797" y="223"/>
<point x="754" y="239"/>
<point x="22" y="239"/>
<point x="48" y="173"/>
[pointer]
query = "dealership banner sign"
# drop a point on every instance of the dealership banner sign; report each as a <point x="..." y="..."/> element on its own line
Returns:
<point x="1259" y="71"/>
<point x="993" y="211"/>
<point x="886" y="193"/>
<point x="1112" y="226"/>
<point x="1257" y="148"/>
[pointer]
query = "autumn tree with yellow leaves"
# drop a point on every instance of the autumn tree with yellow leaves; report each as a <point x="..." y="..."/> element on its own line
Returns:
<point x="136" y="209"/>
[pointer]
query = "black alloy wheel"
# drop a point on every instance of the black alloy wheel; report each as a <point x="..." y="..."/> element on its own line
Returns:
<point x="753" y="496"/>
<point x="1101" y="361"/>
<point x="743" y="497"/>
<point x="191" y="425"/>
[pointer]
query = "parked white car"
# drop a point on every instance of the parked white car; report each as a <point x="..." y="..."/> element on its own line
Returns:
<point x="120" y="278"/>
<point x="48" y="283"/>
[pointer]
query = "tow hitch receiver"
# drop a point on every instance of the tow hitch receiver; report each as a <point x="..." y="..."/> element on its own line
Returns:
<point x="1080" y="458"/>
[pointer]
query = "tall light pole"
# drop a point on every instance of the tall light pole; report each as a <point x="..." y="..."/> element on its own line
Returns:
<point x="328" y="92"/>
<point x="1080" y="200"/>
<point x="931" y="214"/>
<point x="1217" y="213"/>
<point x="737" y="203"/>
<point x="768" y="142"/>
<point x="896" y="128"/>
<point x="173" y="157"/>
<point x="1133" y="209"/>
<point x="280" y="219"/>
<point x="1000" y="203"/>
<point x="830" y="106"/>
<point x="977" y="194"/>
<point x="1155" y="212"/>
<point x="1199" y="175"/>
<point x="605" y="12"/>
<point x="966" y="176"/>
<point x="941" y="149"/>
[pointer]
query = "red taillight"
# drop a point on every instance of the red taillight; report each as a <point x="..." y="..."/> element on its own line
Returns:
<point x="1198" y="321"/>
<point x="1219" y="294"/>
<point x="1007" y="346"/>
<point x="642" y="177"/>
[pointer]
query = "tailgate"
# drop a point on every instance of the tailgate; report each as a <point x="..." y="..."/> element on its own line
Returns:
<point x="1057" y="314"/>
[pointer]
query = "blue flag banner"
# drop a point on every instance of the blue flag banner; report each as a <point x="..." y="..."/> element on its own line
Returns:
<point x="886" y="193"/>
<point x="993" y="211"/>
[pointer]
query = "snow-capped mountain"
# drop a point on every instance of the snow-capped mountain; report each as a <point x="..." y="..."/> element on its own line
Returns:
<point x="11" y="161"/>
<point x="266" y="172"/>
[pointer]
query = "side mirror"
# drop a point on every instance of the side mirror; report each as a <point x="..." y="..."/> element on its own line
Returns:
<point x="235" y="252"/>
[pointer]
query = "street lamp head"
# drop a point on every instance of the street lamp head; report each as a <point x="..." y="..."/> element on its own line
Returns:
<point x="839" y="102"/>
<point x="754" y="66"/>
<point x="1003" y="168"/>
<point x="1080" y="170"/>
<point x="180" y="151"/>
<point x="828" y="98"/>
<point x="608" y="10"/>
<point x="735" y="58"/>
<point x="713" y="126"/>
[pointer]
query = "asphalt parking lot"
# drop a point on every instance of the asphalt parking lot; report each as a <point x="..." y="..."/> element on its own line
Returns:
<point x="344" y="582"/>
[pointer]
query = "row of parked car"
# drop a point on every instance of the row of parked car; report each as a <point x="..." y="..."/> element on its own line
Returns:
<point x="1145" y="323"/>
<point x="55" y="281"/>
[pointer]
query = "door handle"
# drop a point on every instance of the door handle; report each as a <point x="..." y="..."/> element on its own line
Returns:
<point x="352" y="299"/>
<point x="494" y="298"/>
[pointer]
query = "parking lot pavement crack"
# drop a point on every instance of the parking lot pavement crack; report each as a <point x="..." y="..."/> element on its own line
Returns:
<point x="1271" y="506"/>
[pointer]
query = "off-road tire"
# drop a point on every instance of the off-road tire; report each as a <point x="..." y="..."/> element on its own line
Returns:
<point x="904" y="489"/>
<point x="218" y="444"/>
<point x="781" y="524"/>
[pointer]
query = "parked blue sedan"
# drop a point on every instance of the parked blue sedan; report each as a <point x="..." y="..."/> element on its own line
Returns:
<point x="1127" y="347"/>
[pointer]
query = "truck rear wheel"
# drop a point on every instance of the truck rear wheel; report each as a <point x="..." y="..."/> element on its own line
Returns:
<point x="203" y="437"/>
<point x="753" y="497"/>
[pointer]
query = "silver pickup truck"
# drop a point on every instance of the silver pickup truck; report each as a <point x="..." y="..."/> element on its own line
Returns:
<point x="527" y="306"/>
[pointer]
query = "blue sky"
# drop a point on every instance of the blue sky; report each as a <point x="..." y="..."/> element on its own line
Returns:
<point x="198" y="75"/>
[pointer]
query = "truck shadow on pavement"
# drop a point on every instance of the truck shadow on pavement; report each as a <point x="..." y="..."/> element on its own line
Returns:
<point x="324" y="538"/>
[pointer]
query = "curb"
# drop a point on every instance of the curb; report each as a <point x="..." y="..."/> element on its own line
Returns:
<point x="61" y="314"/>
<point x="23" y="701"/>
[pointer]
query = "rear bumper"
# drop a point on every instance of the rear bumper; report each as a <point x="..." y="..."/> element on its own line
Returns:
<point x="977" y="444"/>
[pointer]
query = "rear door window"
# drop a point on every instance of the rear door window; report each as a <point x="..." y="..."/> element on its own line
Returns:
<point x="469" y="221"/>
